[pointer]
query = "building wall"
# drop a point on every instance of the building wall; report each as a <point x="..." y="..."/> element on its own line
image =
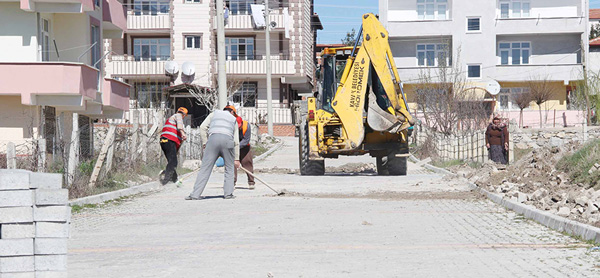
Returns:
<point x="18" y="122"/>
<point x="18" y="29"/>
<point x="73" y="35"/>
<point x="192" y="18"/>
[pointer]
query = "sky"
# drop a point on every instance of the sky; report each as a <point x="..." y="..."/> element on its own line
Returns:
<point x="340" y="16"/>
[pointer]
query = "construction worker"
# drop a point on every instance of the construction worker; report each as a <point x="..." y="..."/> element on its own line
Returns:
<point x="170" y="141"/>
<point x="245" y="150"/>
<point x="219" y="131"/>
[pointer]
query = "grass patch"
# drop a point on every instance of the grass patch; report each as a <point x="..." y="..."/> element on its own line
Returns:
<point x="118" y="201"/>
<point x="448" y="163"/>
<point x="258" y="150"/>
<point x="520" y="153"/>
<point x="78" y="208"/>
<point x="578" y="164"/>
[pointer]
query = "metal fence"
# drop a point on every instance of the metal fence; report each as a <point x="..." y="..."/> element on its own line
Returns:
<point x="466" y="146"/>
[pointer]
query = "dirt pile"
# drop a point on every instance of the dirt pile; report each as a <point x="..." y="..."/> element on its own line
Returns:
<point x="534" y="180"/>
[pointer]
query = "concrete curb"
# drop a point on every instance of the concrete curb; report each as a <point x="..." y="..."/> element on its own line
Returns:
<point x="430" y="167"/>
<point x="545" y="218"/>
<point x="101" y="198"/>
<point x="270" y="151"/>
<point x="146" y="187"/>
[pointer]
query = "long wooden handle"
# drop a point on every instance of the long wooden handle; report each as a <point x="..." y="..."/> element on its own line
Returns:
<point x="248" y="172"/>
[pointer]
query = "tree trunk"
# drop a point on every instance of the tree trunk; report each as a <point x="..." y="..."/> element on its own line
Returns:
<point x="540" y="109"/>
<point x="521" y="119"/>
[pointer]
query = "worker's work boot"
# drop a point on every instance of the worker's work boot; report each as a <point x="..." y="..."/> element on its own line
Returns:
<point x="229" y="196"/>
<point x="251" y="186"/>
<point x="192" y="198"/>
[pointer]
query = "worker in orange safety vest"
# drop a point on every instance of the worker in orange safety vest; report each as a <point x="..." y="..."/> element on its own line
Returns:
<point x="171" y="138"/>
<point x="245" y="149"/>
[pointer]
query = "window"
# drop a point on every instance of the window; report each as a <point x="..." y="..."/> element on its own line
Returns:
<point x="97" y="47"/>
<point x="97" y="3"/>
<point x="45" y="40"/>
<point x="149" y="95"/>
<point x="433" y="55"/>
<point x="193" y="42"/>
<point x="193" y="1"/>
<point x="432" y="9"/>
<point x="241" y="6"/>
<point x="514" y="53"/>
<point x="506" y="98"/>
<point x="473" y="24"/>
<point x="515" y="8"/>
<point x="150" y="7"/>
<point x="246" y="95"/>
<point x="151" y="49"/>
<point x="473" y="71"/>
<point x="239" y="48"/>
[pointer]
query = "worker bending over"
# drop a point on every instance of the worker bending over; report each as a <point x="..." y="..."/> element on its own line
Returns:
<point x="220" y="127"/>
<point x="170" y="141"/>
<point x="245" y="150"/>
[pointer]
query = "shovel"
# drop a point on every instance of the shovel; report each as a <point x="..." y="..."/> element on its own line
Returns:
<point x="248" y="172"/>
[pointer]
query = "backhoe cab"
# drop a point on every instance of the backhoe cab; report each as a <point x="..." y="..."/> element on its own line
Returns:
<point x="361" y="107"/>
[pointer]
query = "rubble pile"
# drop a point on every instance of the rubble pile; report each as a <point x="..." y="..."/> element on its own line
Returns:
<point x="534" y="180"/>
<point x="356" y="168"/>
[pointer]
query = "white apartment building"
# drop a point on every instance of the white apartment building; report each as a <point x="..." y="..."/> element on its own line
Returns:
<point x="509" y="41"/>
<point x="185" y="31"/>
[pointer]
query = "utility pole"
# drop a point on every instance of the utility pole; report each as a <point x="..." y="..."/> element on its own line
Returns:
<point x="268" y="67"/>
<point x="222" y="75"/>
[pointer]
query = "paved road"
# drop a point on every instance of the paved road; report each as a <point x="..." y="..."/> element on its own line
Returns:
<point x="338" y="225"/>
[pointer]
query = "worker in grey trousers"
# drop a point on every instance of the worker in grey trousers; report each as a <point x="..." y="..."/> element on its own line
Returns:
<point x="221" y="129"/>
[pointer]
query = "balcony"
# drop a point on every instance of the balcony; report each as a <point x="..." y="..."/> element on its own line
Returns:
<point x="57" y="6"/>
<point x="514" y="26"/>
<point x="151" y="22"/>
<point x="421" y="28"/>
<point x="566" y="72"/>
<point x="258" y="66"/>
<point x="115" y="94"/>
<point x="127" y="66"/>
<point x="58" y="84"/>
<point x="113" y="19"/>
<point x="245" y="21"/>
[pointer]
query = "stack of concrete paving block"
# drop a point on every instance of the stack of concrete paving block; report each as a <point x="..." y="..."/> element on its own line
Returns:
<point x="34" y="224"/>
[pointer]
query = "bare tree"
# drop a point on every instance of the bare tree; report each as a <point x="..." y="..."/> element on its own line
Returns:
<point x="522" y="100"/>
<point x="209" y="97"/>
<point x="449" y="105"/>
<point x="541" y="90"/>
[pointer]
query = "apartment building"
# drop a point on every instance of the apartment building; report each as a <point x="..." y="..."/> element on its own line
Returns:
<point x="508" y="41"/>
<point x="51" y="80"/>
<point x="185" y="32"/>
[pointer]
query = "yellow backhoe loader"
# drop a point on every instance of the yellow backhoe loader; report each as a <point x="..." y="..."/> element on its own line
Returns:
<point x="360" y="110"/>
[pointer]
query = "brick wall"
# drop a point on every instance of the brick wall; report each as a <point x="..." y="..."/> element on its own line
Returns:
<point x="34" y="224"/>
<point x="279" y="130"/>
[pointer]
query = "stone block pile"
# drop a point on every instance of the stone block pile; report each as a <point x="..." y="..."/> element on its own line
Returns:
<point x="34" y="224"/>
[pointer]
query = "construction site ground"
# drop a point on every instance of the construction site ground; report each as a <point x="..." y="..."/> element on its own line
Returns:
<point x="343" y="224"/>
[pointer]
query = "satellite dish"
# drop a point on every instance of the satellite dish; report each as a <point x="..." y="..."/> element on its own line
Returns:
<point x="493" y="87"/>
<point x="171" y="68"/>
<point x="188" y="72"/>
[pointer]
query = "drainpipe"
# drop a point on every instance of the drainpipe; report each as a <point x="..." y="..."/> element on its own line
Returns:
<point x="39" y="35"/>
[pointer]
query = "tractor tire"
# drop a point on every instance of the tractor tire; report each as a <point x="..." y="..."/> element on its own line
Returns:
<point x="390" y="165"/>
<point x="308" y="167"/>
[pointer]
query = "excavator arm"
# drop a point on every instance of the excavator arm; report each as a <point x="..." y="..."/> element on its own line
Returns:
<point x="371" y="75"/>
